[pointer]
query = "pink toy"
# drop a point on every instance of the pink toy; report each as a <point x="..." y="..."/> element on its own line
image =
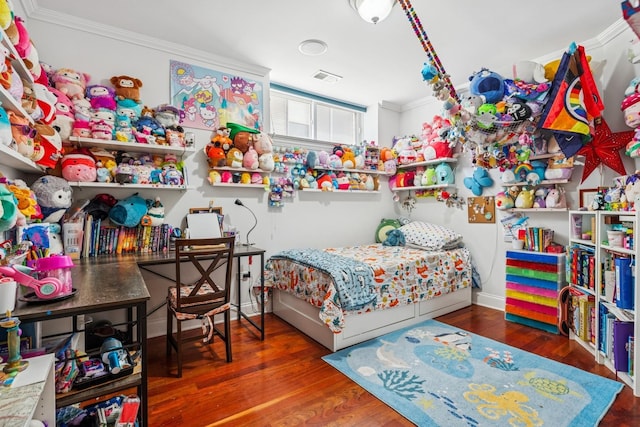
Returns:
<point x="101" y="96"/>
<point x="79" y="167"/>
<point x="23" y="44"/>
<point x="250" y="159"/>
<point x="81" y="129"/>
<point x="47" y="288"/>
<point x="101" y="129"/>
<point x="70" y="82"/>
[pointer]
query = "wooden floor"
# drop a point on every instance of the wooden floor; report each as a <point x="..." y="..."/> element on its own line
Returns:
<point x="282" y="381"/>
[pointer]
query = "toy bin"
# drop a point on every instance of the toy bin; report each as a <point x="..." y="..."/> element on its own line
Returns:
<point x="58" y="266"/>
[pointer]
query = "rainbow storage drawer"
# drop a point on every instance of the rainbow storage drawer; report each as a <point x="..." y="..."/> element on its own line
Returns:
<point x="533" y="282"/>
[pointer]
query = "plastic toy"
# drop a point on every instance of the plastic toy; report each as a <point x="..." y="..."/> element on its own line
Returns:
<point x="478" y="181"/>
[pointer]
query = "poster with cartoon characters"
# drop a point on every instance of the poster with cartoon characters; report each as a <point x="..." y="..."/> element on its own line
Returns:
<point x="211" y="99"/>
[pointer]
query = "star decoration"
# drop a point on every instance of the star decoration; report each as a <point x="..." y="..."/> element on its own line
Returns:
<point x="604" y="148"/>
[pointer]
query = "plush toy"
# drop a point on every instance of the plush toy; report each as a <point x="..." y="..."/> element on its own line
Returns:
<point x="504" y="201"/>
<point x="126" y="87"/>
<point x="50" y="143"/>
<point x="129" y="108"/>
<point x="26" y="200"/>
<point x="487" y="84"/>
<point x="102" y="129"/>
<point x="64" y="115"/>
<point x="128" y="212"/>
<point x="155" y="212"/>
<point x="169" y="116"/>
<point x="70" y="82"/>
<point x="82" y="109"/>
<point x="250" y="159"/>
<point x="559" y="167"/>
<point x="81" y="128"/>
<point x="478" y="181"/>
<point x="234" y="158"/>
<point x="525" y="199"/>
<point x="46" y="101"/>
<point x="214" y="177"/>
<point x="8" y="209"/>
<point x="631" y="109"/>
<point x="444" y="174"/>
<point x="54" y="197"/>
<point x="242" y="136"/>
<point x="555" y="198"/>
<point x="79" y="166"/>
<point x="540" y="196"/>
<point x="395" y="237"/>
<point x="29" y="102"/>
<point x="6" y="131"/>
<point x="101" y="96"/>
<point x="171" y="175"/>
<point x="22" y="133"/>
<point x="529" y="72"/>
<point x="55" y="240"/>
<point x="23" y="44"/>
<point x="348" y="158"/>
<point x="263" y="143"/>
<point x="266" y="162"/>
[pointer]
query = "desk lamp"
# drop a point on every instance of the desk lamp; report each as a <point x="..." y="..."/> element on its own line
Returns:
<point x="239" y="203"/>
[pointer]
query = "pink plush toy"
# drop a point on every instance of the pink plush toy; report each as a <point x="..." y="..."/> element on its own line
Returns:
<point x="263" y="143"/>
<point x="65" y="117"/>
<point x="81" y="128"/>
<point x="250" y="159"/>
<point x="70" y="82"/>
<point x="79" y="166"/>
<point x="23" y="45"/>
<point x="101" y="96"/>
<point x="101" y="129"/>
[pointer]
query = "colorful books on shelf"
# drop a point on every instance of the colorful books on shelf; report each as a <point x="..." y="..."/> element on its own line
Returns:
<point x="622" y="331"/>
<point x="583" y="315"/>
<point x="103" y="238"/>
<point x="537" y="239"/>
<point x="624" y="283"/>
<point x="582" y="266"/>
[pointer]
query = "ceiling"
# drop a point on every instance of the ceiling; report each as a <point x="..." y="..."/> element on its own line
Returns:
<point x="377" y="63"/>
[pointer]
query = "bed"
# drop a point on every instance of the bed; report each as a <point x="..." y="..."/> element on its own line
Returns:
<point x="409" y="283"/>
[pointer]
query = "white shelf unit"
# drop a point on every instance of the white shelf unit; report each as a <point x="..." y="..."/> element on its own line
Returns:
<point x="12" y="158"/>
<point x="599" y="223"/>
<point x="32" y="395"/>
<point x="135" y="147"/>
<point x="544" y="183"/>
<point x="426" y="163"/>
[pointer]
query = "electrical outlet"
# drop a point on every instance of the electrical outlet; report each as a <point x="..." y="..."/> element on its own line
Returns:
<point x="246" y="275"/>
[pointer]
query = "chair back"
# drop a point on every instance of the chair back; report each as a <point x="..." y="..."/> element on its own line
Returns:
<point x="207" y="256"/>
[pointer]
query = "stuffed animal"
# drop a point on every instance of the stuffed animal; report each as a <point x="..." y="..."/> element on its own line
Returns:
<point x="8" y="209"/>
<point x="65" y="114"/>
<point x="525" y="199"/>
<point x="263" y="143"/>
<point x="214" y="177"/>
<point x="478" y="181"/>
<point x="6" y="131"/>
<point x="169" y="116"/>
<point x="23" y="44"/>
<point x="266" y="162"/>
<point x="155" y="211"/>
<point x="348" y="158"/>
<point x="234" y="158"/>
<point x="488" y="85"/>
<point x="23" y="134"/>
<point x="444" y="174"/>
<point x="101" y="96"/>
<point x="504" y="201"/>
<point x="81" y="128"/>
<point x="242" y="136"/>
<point x="556" y="198"/>
<point x="126" y="87"/>
<point x="128" y="212"/>
<point x="54" y="197"/>
<point x="395" y="237"/>
<point x="49" y="142"/>
<point x="79" y="166"/>
<point x="129" y="108"/>
<point x="46" y="101"/>
<point x="26" y="200"/>
<point x="250" y="159"/>
<point x="70" y="82"/>
<point x="82" y="109"/>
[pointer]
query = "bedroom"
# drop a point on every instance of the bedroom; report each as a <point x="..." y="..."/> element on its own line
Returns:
<point x="324" y="220"/>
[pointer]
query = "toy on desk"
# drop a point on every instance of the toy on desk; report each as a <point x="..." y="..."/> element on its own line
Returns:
<point x="47" y="288"/>
<point x="14" y="362"/>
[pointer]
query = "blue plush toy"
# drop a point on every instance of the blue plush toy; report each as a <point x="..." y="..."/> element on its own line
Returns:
<point x="395" y="237"/>
<point x="444" y="174"/>
<point x="478" y="181"/>
<point x="487" y="84"/>
<point x="128" y="212"/>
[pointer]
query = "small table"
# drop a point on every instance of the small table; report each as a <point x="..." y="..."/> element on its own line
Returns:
<point x="242" y="251"/>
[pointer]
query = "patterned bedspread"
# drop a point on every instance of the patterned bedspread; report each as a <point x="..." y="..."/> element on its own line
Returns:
<point x="402" y="275"/>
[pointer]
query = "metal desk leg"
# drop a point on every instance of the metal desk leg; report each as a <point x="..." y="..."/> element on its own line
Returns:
<point x="262" y="296"/>
<point x="141" y="320"/>
<point x="239" y="260"/>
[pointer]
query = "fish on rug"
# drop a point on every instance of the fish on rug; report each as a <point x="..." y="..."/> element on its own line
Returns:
<point x="434" y="374"/>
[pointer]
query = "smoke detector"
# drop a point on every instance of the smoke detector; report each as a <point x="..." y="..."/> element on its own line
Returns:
<point x="326" y="76"/>
<point x="312" y="47"/>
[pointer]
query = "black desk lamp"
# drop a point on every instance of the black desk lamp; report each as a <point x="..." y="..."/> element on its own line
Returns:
<point x="239" y="203"/>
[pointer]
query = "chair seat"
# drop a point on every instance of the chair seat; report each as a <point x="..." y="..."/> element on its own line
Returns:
<point x="197" y="308"/>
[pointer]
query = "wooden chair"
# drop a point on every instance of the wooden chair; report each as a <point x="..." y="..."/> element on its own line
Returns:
<point x="204" y="298"/>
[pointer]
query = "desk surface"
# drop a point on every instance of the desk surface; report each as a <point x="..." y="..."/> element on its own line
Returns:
<point x="101" y="284"/>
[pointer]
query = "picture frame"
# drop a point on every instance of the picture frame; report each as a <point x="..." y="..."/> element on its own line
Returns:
<point x="586" y="196"/>
<point x="200" y="220"/>
<point x="214" y="209"/>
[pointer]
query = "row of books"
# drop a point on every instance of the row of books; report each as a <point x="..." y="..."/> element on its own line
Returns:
<point x="581" y="268"/>
<point x="616" y="339"/>
<point x="100" y="237"/>
<point x="537" y="239"/>
<point x="582" y="315"/>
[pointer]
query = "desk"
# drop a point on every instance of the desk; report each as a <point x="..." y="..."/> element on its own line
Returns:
<point x="103" y="285"/>
<point x="239" y="252"/>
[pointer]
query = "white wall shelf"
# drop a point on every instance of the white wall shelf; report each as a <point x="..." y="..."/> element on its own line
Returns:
<point x="12" y="158"/>
<point x="115" y="185"/>
<point x="428" y="187"/>
<point x="135" y="147"/>
<point x="428" y="163"/>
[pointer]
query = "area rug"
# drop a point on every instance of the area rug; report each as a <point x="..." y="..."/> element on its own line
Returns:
<point x="437" y="375"/>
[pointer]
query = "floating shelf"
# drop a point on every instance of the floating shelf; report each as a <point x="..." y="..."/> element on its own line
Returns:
<point x="12" y="158"/>
<point x="130" y="146"/>
<point x="428" y="187"/>
<point x="428" y="162"/>
<point x="115" y="185"/>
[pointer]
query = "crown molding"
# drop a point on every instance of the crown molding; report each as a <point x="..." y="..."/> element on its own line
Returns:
<point x="36" y="13"/>
<point x="390" y="106"/>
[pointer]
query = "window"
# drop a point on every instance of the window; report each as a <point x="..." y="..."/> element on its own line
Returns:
<point x="302" y="115"/>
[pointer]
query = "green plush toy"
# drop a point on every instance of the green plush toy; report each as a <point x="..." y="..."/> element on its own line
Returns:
<point x="384" y="227"/>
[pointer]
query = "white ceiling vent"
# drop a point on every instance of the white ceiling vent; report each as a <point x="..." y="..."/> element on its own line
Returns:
<point x="326" y="76"/>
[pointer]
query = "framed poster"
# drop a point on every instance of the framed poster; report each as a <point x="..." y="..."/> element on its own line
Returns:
<point x="211" y="98"/>
<point x="586" y="196"/>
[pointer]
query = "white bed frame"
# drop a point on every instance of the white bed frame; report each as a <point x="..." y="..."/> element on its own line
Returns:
<point x="358" y="328"/>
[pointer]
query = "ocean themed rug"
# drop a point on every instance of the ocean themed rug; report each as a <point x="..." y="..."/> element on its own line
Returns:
<point x="437" y="375"/>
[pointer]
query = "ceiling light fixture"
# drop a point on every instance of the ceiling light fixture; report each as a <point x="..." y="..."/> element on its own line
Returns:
<point x="312" y="47"/>
<point x="373" y="11"/>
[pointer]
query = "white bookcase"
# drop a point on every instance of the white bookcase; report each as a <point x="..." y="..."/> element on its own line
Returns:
<point x="595" y="234"/>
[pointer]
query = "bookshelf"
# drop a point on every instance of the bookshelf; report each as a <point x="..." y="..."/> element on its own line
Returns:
<point x="601" y="270"/>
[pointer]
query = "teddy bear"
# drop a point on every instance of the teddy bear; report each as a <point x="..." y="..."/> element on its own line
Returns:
<point x="54" y="197"/>
<point x="70" y="82"/>
<point x="126" y="87"/>
<point x="101" y="96"/>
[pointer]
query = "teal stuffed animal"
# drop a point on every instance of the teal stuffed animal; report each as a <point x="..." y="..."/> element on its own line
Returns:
<point x="395" y="237"/>
<point x="128" y="212"/>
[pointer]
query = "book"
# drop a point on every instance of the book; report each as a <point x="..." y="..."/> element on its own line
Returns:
<point x="624" y="283"/>
<point x="621" y="333"/>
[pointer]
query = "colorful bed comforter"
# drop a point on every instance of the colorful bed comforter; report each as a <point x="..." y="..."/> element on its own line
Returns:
<point x="402" y="275"/>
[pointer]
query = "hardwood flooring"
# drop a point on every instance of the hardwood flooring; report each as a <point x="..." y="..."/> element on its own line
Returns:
<point x="282" y="380"/>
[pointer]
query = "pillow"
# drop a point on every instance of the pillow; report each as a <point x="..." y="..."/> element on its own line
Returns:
<point x="384" y="227"/>
<point x="430" y="236"/>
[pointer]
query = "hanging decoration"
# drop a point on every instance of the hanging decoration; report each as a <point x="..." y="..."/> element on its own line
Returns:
<point x="604" y="149"/>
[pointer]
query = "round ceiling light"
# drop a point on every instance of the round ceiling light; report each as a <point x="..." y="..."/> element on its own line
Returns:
<point x="312" y="47"/>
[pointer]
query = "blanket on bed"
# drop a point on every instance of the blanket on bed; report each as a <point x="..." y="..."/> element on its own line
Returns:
<point x="353" y="279"/>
